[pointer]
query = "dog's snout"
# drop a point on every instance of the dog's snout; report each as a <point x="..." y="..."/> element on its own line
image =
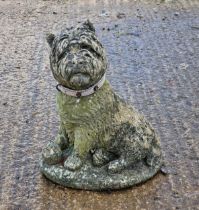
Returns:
<point x="76" y="59"/>
<point x="78" y="62"/>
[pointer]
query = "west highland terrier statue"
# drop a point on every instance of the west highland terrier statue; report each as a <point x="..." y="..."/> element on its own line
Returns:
<point x="103" y="143"/>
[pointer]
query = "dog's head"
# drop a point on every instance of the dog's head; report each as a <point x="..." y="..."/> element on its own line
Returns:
<point x="77" y="58"/>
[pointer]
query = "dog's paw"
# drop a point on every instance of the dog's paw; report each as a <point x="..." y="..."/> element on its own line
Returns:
<point x="116" y="166"/>
<point x="100" y="158"/>
<point x="73" y="162"/>
<point x="52" y="153"/>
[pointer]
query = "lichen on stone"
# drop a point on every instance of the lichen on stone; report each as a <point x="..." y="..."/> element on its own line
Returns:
<point x="103" y="142"/>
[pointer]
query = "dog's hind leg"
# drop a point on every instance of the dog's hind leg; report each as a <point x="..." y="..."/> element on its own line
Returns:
<point x="101" y="157"/>
<point x="117" y="165"/>
<point x="126" y="159"/>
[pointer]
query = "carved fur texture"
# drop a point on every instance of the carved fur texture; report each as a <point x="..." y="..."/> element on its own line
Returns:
<point x="77" y="57"/>
<point x="100" y="127"/>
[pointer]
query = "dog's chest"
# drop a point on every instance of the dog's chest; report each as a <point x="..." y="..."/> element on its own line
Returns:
<point x="77" y="111"/>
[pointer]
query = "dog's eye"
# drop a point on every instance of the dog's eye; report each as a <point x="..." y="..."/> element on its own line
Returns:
<point x="90" y="49"/>
<point x="86" y="47"/>
<point x="87" y="55"/>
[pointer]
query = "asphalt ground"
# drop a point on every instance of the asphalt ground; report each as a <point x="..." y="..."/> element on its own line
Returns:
<point x="153" y="52"/>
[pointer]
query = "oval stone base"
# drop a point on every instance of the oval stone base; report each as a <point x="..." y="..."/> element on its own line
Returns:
<point x="98" y="178"/>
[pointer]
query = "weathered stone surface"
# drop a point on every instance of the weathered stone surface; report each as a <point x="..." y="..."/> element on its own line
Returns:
<point x="108" y="144"/>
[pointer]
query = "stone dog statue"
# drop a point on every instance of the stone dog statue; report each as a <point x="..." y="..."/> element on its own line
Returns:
<point x="103" y="142"/>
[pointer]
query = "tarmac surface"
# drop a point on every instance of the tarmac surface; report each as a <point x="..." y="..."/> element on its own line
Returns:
<point x="153" y="51"/>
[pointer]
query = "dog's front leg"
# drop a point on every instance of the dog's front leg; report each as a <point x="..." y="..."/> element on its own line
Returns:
<point x="52" y="153"/>
<point x="82" y="145"/>
<point x="62" y="139"/>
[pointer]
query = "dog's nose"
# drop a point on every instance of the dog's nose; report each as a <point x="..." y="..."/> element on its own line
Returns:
<point x="77" y="62"/>
<point x="81" y="62"/>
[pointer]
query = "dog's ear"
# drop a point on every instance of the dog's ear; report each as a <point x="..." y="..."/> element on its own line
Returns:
<point x="50" y="38"/>
<point x="89" y="25"/>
